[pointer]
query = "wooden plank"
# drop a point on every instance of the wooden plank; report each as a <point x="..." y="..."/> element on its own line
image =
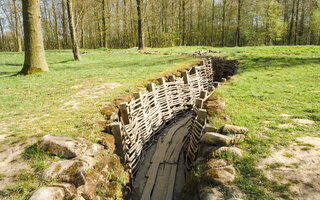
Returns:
<point x="160" y="188"/>
<point x="171" y="182"/>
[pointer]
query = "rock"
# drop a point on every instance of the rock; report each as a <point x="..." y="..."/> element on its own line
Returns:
<point x="88" y="190"/>
<point x="215" y="107"/>
<point x="69" y="190"/>
<point x="221" y="175"/>
<point x="210" y="128"/>
<point x="107" y="140"/>
<point x="90" y="161"/>
<point x="214" y="163"/>
<point x="208" y="193"/>
<point x="232" y="192"/>
<point x="216" y="139"/>
<point x="92" y="148"/>
<point x="61" y="146"/>
<point x="48" y="193"/>
<point x="231" y="129"/>
<point x="70" y="171"/>
<point x="223" y="150"/>
<point x="206" y="150"/>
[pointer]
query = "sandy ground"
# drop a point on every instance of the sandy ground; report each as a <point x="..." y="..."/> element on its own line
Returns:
<point x="298" y="164"/>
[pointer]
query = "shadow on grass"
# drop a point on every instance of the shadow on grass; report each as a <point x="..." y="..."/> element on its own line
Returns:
<point x="257" y="63"/>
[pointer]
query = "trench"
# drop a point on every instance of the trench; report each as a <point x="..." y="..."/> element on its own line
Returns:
<point x="161" y="174"/>
<point x="158" y="132"/>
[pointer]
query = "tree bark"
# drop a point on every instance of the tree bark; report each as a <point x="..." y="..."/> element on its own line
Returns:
<point x="18" y="34"/>
<point x="104" y="24"/>
<point x="183" y="22"/>
<point x="73" y="34"/>
<point x="223" y="20"/>
<point x="34" y="60"/>
<point x="140" y="26"/>
<point x="291" y="21"/>
<point x="55" y="23"/>
<point x="301" y="24"/>
<point x="212" y="23"/>
<point x="296" y="23"/>
<point x="64" y="24"/>
<point x="238" y="24"/>
<point x="2" y="37"/>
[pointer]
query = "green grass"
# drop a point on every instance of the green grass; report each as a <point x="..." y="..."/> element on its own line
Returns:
<point x="66" y="101"/>
<point x="272" y="80"/>
<point x="269" y="84"/>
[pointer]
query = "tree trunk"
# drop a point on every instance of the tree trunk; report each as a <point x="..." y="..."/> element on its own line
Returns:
<point x="285" y="20"/>
<point x="140" y="26"/>
<point x="301" y="24"/>
<point x="238" y="24"/>
<point x="55" y="23"/>
<point x="291" y="21"/>
<point x="104" y="24"/>
<point x="18" y="34"/>
<point x="125" y="24"/>
<point x="34" y="60"/>
<point x="296" y="23"/>
<point x="223" y="20"/>
<point x="2" y="37"/>
<point x="64" y="24"/>
<point x="73" y="34"/>
<point x="183" y="22"/>
<point x="212" y="23"/>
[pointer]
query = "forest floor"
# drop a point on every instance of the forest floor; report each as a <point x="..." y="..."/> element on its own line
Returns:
<point x="276" y="95"/>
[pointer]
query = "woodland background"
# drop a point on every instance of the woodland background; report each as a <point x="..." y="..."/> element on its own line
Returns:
<point x="113" y="23"/>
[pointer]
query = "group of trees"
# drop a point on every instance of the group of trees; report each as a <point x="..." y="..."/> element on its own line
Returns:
<point x="159" y="23"/>
<point x="116" y="23"/>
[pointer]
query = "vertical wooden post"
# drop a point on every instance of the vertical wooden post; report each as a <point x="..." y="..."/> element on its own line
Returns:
<point x="203" y="94"/>
<point x="202" y="115"/>
<point x="185" y="76"/>
<point x="116" y="132"/>
<point x="210" y="88"/>
<point x="172" y="78"/>
<point x="124" y="110"/>
<point x="199" y="103"/>
<point x="162" y="81"/>
<point x="216" y="84"/>
<point x="151" y="87"/>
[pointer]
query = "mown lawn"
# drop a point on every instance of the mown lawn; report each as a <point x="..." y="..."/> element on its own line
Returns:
<point x="272" y="81"/>
<point x="67" y="100"/>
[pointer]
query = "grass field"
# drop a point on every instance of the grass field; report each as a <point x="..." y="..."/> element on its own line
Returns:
<point x="67" y="100"/>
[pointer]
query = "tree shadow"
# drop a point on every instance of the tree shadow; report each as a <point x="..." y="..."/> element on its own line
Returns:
<point x="255" y="63"/>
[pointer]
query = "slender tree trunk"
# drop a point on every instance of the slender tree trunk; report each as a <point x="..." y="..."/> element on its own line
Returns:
<point x="183" y="22"/>
<point x="34" y="60"/>
<point x="73" y="34"/>
<point x="56" y="23"/>
<point x="286" y="20"/>
<point x="82" y="35"/>
<point x="212" y="23"/>
<point x="291" y="21"/>
<point x="140" y="26"/>
<point x="104" y="24"/>
<point x="238" y="24"/>
<point x="301" y="24"/>
<point x="223" y="20"/>
<point x="296" y="23"/>
<point x="2" y="36"/>
<point x="64" y="24"/>
<point x="125" y="24"/>
<point x="18" y="34"/>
